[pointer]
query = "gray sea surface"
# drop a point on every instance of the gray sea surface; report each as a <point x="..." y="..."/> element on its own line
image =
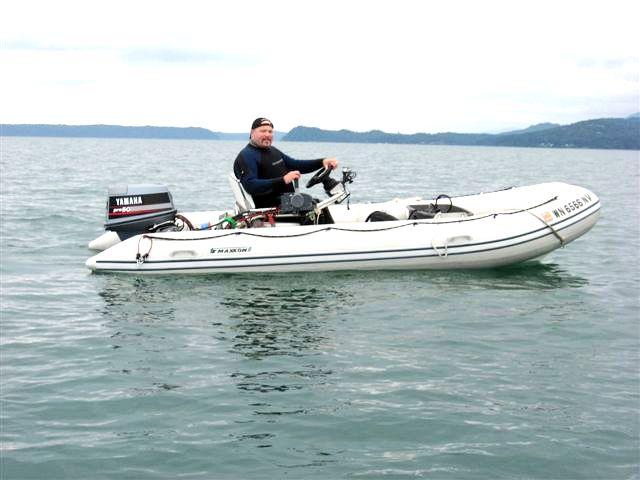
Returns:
<point x="527" y="372"/>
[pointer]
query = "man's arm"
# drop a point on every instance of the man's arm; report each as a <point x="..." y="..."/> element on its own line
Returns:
<point x="303" y="166"/>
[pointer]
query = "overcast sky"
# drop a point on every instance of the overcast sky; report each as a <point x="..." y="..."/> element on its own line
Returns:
<point x="395" y="65"/>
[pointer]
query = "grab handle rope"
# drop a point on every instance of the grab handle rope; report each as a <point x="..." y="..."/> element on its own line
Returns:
<point x="555" y="232"/>
<point x="446" y="246"/>
<point x="140" y="257"/>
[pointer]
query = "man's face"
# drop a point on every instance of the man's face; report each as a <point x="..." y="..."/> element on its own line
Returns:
<point x="262" y="136"/>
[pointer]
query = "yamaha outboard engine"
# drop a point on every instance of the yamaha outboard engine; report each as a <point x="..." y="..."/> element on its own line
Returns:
<point x="136" y="209"/>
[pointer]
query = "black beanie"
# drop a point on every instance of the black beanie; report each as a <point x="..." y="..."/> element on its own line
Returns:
<point x="258" y="122"/>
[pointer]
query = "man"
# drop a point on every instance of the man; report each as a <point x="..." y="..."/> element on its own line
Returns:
<point x="265" y="172"/>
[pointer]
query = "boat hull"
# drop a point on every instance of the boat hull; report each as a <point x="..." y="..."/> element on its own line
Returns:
<point x="491" y="238"/>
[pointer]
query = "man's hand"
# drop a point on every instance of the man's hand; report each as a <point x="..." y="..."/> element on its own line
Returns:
<point x="291" y="176"/>
<point x="330" y="163"/>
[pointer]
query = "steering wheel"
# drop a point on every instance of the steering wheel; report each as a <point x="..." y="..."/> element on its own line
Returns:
<point x="318" y="177"/>
<point x="442" y="195"/>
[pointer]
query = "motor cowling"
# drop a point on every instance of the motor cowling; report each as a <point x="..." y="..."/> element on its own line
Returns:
<point x="135" y="209"/>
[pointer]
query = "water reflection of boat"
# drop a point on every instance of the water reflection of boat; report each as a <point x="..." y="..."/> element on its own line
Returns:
<point x="525" y="276"/>
<point x="273" y="319"/>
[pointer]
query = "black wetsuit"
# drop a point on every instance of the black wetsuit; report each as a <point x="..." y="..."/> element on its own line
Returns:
<point x="260" y="171"/>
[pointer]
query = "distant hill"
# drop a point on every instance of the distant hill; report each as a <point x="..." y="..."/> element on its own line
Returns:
<point x="119" y="131"/>
<point x="604" y="133"/>
<point x="233" y="136"/>
<point x="312" y="134"/>
<point x="245" y="135"/>
<point x="533" y="128"/>
<point x="106" y="131"/>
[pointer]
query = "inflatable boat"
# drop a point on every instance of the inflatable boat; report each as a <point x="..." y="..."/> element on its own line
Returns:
<point x="145" y="234"/>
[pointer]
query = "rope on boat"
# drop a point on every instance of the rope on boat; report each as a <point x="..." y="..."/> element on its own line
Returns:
<point x="340" y="229"/>
<point x="141" y="258"/>
<point x="446" y="248"/>
<point x="547" y="224"/>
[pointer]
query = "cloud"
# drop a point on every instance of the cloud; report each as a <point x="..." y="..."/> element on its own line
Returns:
<point x="152" y="54"/>
<point x="183" y="55"/>
<point x="24" y="45"/>
<point x="403" y="66"/>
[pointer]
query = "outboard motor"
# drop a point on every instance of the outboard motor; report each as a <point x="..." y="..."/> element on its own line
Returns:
<point x="135" y="209"/>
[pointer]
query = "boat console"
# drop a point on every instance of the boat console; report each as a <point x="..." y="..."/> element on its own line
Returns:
<point x="302" y="208"/>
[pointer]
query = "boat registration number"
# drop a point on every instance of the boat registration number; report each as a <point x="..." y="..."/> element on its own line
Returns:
<point x="572" y="206"/>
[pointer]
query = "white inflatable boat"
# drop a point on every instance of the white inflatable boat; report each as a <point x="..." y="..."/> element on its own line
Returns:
<point x="145" y="234"/>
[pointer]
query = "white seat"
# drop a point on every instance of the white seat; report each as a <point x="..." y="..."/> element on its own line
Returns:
<point x="244" y="201"/>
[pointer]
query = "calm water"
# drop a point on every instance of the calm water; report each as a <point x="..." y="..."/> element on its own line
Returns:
<point x="528" y="372"/>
